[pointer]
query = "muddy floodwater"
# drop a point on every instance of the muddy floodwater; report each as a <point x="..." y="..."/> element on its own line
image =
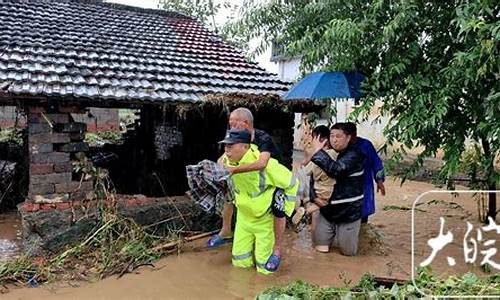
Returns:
<point x="385" y="250"/>
<point x="10" y="235"/>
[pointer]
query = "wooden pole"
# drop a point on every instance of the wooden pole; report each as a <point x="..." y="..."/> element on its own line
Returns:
<point x="186" y="240"/>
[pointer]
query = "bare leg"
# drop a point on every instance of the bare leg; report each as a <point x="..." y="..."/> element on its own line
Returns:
<point x="314" y="217"/>
<point x="279" y="230"/>
<point x="227" y="217"/>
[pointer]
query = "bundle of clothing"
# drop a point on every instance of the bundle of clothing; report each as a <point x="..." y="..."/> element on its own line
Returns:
<point x="210" y="186"/>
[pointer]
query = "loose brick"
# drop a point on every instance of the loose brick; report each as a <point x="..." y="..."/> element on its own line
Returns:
<point x="41" y="189"/>
<point x="74" y="147"/>
<point x="29" y="207"/>
<point x="35" y="128"/>
<point x="63" y="167"/>
<point x="73" y="127"/>
<point x="67" y="187"/>
<point x="50" y="178"/>
<point x="50" y="198"/>
<point x="131" y="202"/>
<point x="45" y="138"/>
<point x="47" y="206"/>
<point x="41" y="148"/>
<point x="63" y="206"/>
<point x="39" y="169"/>
<point x="142" y="201"/>
<point x="50" y="158"/>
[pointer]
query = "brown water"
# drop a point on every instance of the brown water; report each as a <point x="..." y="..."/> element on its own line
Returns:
<point x="197" y="273"/>
<point x="204" y="274"/>
<point x="10" y="235"/>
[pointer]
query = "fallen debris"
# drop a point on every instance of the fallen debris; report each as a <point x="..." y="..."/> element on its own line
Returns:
<point x="403" y="208"/>
<point x="176" y="243"/>
<point x="370" y="287"/>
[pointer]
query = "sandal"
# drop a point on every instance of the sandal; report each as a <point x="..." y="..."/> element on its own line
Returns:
<point x="216" y="240"/>
<point x="273" y="263"/>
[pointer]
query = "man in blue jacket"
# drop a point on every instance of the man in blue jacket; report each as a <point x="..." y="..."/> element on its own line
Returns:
<point x="373" y="169"/>
<point x="340" y="217"/>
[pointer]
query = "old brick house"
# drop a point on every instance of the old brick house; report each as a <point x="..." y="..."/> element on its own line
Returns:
<point x="58" y="58"/>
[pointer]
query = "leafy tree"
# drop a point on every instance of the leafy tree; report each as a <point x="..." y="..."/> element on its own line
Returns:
<point x="202" y="10"/>
<point x="435" y="64"/>
<point x="206" y="11"/>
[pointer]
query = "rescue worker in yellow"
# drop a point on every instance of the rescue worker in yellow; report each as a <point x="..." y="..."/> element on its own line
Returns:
<point x="255" y="190"/>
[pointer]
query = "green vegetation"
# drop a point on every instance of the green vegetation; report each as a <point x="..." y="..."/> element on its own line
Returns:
<point x="103" y="137"/>
<point x="368" y="288"/>
<point x="434" y="64"/>
<point x="12" y="135"/>
<point x="115" y="246"/>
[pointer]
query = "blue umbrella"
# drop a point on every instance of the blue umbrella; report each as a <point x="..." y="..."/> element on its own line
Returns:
<point x="327" y="85"/>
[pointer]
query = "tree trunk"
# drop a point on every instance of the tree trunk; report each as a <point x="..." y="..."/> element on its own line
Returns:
<point x="492" y="197"/>
<point x="492" y="203"/>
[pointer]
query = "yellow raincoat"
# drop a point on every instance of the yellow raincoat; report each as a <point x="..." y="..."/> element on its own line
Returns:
<point x="254" y="221"/>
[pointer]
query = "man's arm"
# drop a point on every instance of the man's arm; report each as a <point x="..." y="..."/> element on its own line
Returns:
<point x="375" y="163"/>
<point x="377" y="167"/>
<point x="260" y="164"/>
<point x="307" y="156"/>
<point x="283" y="178"/>
<point x="334" y="168"/>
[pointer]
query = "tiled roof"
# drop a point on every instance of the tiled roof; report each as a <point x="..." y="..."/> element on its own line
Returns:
<point x="108" y="53"/>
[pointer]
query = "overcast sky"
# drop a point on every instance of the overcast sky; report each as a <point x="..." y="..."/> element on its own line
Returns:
<point x="263" y="60"/>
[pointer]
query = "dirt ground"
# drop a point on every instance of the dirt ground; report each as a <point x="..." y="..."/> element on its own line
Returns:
<point x="385" y="250"/>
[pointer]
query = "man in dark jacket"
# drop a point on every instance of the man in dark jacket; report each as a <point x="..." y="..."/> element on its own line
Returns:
<point x="340" y="218"/>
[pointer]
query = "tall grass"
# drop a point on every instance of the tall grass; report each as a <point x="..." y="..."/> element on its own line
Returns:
<point x="115" y="246"/>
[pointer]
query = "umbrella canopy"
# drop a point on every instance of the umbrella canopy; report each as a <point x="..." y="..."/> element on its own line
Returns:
<point x="327" y="85"/>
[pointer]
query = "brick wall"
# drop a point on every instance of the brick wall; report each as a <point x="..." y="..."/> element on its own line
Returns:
<point x="8" y="116"/>
<point x="53" y="140"/>
<point x="101" y="118"/>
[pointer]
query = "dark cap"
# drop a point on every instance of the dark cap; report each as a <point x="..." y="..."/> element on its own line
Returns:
<point x="234" y="136"/>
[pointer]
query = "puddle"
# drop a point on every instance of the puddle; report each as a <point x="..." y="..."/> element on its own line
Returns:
<point x="10" y="236"/>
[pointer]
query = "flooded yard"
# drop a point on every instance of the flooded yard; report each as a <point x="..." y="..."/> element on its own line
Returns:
<point x="385" y="250"/>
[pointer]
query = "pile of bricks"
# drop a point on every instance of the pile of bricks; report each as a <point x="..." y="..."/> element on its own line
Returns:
<point x="53" y="141"/>
<point x="121" y="201"/>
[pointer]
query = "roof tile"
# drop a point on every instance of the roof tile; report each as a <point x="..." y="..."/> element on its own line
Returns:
<point x="107" y="52"/>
